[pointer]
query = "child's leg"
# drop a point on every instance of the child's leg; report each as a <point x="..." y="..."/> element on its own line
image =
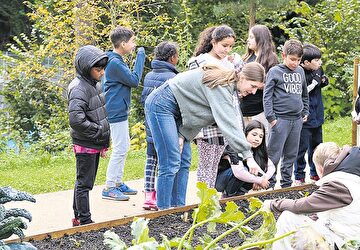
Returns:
<point x="278" y="135"/>
<point x="291" y="147"/>
<point x="316" y="139"/>
<point x="300" y="163"/>
<point x="86" y="168"/>
<point x="209" y="158"/>
<point x="120" y="146"/>
<point x="150" y="168"/>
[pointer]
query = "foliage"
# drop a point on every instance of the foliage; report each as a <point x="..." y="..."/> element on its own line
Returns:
<point x="330" y="26"/>
<point x="10" y="220"/>
<point x="13" y="20"/>
<point x="207" y="213"/>
<point x="31" y="94"/>
<point x="40" y="88"/>
<point x="138" y="137"/>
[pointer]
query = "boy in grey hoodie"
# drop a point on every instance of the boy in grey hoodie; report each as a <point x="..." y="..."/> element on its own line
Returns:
<point x="286" y="106"/>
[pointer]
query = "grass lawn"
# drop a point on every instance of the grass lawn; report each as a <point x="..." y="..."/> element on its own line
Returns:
<point x="43" y="172"/>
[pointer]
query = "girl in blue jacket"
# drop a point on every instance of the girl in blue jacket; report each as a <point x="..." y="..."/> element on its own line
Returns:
<point x="163" y="68"/>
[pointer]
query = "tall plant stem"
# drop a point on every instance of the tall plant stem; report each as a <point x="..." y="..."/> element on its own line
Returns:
<point x="221" y="236"/>
<point x="192" y="228"/>
<point x="265" y="242"/>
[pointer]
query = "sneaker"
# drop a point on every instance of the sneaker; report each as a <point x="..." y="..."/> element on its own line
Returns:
<point x="75" y="222"/>
<point x="314" y="178"/>
<point x="115" y="194"/>
<point x="87" y="222"/>
<point x="299" y="182"/>
<point x="125" y="189"/>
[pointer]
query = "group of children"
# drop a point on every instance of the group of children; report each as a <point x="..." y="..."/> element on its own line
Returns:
<point x="218" y="101"/>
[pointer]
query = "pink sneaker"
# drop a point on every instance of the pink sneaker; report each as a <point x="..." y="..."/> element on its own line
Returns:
<point x="150" y="201"/>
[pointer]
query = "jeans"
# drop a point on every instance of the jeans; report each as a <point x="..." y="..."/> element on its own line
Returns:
<point x="163" y="116"/>
<point x="310" y="138"/>
<point x="229" y="185"/>
<point x="120" y="138"/>
<point x="86" y="168"/>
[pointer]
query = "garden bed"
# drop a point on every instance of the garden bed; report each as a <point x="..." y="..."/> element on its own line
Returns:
<point x="169" y="224"/>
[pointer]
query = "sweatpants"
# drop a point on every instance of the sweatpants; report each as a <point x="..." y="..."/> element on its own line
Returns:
<point x="284" y="144"/>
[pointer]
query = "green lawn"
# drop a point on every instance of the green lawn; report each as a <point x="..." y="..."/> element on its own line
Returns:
<point x="42" y="172"/>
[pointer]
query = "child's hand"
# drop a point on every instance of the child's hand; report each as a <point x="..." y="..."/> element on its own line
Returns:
<point x="273" y="123"/>
<point x="103" y="153"/>
<point x="305" y="118"/>
<point x="264" y="183"/>
<point x="253" y="166"/>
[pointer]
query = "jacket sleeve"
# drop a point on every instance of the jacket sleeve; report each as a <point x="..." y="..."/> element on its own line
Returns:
<point x="305" y="96"/>
<point x="122" y="73"/>
<point x="268" y="97"/>
<point x="241" y="173"/>
<point x="220" y="100"/>
<point x="77" y="115"/>
<point x="330" y="195"/>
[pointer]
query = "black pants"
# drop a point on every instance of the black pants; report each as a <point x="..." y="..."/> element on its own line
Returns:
<point x="86" y="168"/>
<point x="229" y="185"/>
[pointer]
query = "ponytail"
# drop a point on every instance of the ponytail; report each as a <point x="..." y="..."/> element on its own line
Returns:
<point x="215" y="75"/>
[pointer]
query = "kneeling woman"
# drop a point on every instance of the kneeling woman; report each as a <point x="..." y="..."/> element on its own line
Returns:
<point x="234" y="177"/>
<point x="178" y="110"/>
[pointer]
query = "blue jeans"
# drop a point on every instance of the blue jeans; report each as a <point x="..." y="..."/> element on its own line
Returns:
<point x="163" y="116"/>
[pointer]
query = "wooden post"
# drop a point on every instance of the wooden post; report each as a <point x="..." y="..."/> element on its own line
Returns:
<point x="355" y="90"/>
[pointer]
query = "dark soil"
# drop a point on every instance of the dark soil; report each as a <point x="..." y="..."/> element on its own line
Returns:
<point x="170" y="225"/>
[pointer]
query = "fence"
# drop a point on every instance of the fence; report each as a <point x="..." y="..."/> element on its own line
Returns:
<point x="355" y="127"/>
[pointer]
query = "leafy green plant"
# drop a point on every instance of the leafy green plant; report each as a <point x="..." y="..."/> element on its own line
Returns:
<point x="10" y="220"/>
<point x="208" y="213"/>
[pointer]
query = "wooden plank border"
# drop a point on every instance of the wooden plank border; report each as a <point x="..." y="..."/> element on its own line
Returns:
<point x="152" y="215"/>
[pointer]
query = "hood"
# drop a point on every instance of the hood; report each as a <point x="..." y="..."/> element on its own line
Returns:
<point x="332" y="163"/>
<point x="157" y="64"/>
<point x="85" y="58"/>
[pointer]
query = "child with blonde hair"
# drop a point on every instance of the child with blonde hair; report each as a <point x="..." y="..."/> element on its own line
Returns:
<point x="336" y="202"/>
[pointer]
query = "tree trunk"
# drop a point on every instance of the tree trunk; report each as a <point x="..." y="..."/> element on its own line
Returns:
<point x="252" y="14"/>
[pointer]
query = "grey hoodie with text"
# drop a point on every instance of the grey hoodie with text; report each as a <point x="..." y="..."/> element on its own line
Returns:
<point x="285" y="93"/>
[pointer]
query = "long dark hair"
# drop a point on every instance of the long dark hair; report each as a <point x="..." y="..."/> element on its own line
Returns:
<point x="213" y="33"/>
<point x="265" y="46"/>
<point x="260" y="153"/>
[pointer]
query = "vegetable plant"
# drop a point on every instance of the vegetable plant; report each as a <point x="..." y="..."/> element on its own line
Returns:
<point x="10" y="220"/>
<point x="210" y="214"/>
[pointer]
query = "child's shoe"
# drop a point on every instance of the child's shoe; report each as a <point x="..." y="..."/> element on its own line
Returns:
<point x="299" y="182"/>
<point x="150" y="201"/>
<point x="75" y="222"/>
<point x="125" y="189"/>
<point x="115" y="194"/>
<point x="87" y="222"/>
<point x="314" y="178"/>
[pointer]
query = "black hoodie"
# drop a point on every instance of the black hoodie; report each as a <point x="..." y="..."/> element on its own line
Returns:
<point x="86" y="106"/>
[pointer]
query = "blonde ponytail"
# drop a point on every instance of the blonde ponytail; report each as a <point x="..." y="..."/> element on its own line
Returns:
<point x="215" y="75"/>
